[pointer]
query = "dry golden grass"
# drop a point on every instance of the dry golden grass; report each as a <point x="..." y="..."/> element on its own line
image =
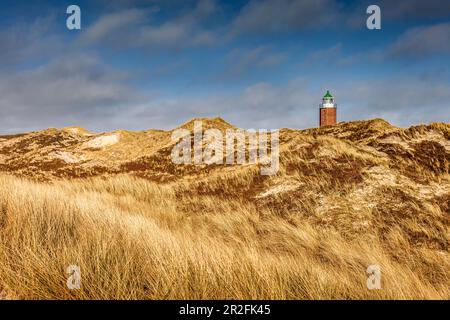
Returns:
<point x="346" y="197"/>
<point x="135" y="239"/>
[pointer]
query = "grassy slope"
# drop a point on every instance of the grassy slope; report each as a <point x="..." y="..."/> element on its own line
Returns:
<point x="337" y="206"/>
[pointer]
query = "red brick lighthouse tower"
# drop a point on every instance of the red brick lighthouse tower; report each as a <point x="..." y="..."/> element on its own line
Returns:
<point x="328" y="110"/>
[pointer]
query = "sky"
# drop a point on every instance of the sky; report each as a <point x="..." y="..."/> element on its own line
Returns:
<point x="142" y="64"/>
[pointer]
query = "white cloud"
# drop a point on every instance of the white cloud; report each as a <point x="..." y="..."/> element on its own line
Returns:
<point x="108" y="25"/>
<point x="22" y="42"/>
<point x="403" y="101"/>
<point x="72" y="90"/>
<point x="94" y="97"/>
<point x="139" y="28"/>
<point x="242" y="61"/>
<point x="422" y="41"/>
<point x="270" y="16"/>
<point x="413" y="9"/>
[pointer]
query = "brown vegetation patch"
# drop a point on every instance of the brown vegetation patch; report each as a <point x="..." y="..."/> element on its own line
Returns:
<point x="433" y="156"/>
<point x="142" y="227"/>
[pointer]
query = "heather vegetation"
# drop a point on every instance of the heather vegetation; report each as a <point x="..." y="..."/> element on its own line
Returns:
<point x="140" y="227"/>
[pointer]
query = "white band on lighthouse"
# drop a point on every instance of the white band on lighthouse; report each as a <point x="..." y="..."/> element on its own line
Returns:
<point x="328" y="101"/>
<point x="328" y="105"/>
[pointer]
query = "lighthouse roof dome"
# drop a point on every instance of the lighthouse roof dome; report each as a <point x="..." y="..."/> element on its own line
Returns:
<point x="328" y="95"/>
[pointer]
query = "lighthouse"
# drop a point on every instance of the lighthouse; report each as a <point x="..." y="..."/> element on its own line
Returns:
<point x="327" y="110"/>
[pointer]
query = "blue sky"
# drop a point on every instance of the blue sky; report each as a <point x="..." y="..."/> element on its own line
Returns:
<point x="138" y="64"/>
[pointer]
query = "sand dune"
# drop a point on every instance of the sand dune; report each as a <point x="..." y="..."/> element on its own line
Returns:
<point x="140" y="227"/>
